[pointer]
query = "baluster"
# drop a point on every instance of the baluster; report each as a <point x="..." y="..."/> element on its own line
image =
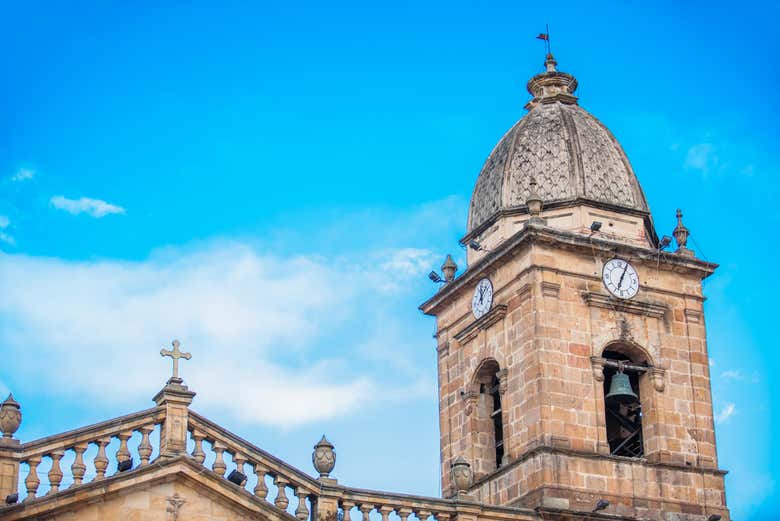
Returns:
<point x="441" y="516"/>
<point x="403" y="513"/>
<point x="123" y="453"/>
<point x="281" y="500"/>
<point x="366" y="509"/>
<point x="239" y="459"/>
<point x="347" y="507"/>
<point x="423" y="515"/>
<point x="197" y="453"/>
<point x="78" y="469"/>
<point x="55" y="472"/>
<point x="385" y="511"/>
<point x="145" y="448"/>
<point x="32" y="481"/>
<point x="261" y="490"/>
<point x="101" y="461"/>
<point x="219" y="463"/>
<point x="302" y="512"/>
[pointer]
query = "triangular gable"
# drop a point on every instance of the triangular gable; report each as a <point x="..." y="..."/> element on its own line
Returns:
<point x="151" y="493"/>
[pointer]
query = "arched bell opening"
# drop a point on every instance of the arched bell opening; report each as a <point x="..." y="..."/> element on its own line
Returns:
<point x="623" y="405"/>
<point x="489" y="418"/>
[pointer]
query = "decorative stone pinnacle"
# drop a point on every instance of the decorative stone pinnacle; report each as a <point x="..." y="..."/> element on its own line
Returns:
<point x="10" y="416"/>
<point x="324" y="457"/>
<point x="449" y="268"/>
<point x="462" y="475"/>
<point x="175" y="355"/>
<point x="681" y="234"/>
<point x="534" y="203"/>
<point x="551" y="86"/>
<point x="550" y="63"/>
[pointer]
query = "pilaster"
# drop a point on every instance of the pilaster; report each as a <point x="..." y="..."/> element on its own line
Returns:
<point x="175" y="397"/>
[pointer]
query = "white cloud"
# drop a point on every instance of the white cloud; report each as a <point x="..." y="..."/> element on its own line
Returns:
<point x="4" y="237"/>
<point x="726" y="412"/>
<point x="23" y="174"/>
<point x="94" y="207"/>
<point x="701" y="157"/>
<point x="256" y="324"/>
<point x="732" y="375"/>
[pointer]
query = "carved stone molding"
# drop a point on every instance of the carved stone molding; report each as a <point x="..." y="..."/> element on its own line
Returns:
<point x="470" y="397"/>
<point x="637" y="307"/>
<point x="550" y="289"/>
<point x="468" y="333"/>
<point x="693" y="315"/>
<point x="524" y="292"/>
<point x="657" y="374"/>
<point x="597" y="364"/>
<point x="502" y="381"/>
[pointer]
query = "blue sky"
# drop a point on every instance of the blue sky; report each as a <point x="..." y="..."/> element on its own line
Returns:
<point x="271" y="183"/>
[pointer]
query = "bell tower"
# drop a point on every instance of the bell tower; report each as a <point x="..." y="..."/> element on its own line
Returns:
<point x="572" y="355"/>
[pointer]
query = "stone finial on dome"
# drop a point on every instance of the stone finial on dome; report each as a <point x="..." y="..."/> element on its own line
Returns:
<point x="681" y="234"/>
<point x="534" y="203"/>
<point x="551" y="85"/>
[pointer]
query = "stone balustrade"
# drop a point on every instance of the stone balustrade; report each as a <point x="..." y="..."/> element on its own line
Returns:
<point x="73" y="445"/>
<point x="94" y="457"/>
<point x="269" y="478"/>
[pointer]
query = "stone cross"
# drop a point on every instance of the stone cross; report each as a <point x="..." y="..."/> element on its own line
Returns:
<point x="175" y="354"/>
<point x="174" y="503"/>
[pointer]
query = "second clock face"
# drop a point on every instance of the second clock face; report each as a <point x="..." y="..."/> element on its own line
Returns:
<point x="620" y="278"/>
<point x="483" y="298"/>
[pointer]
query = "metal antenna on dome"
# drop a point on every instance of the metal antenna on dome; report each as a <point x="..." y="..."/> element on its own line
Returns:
<point x="546" y="37"/>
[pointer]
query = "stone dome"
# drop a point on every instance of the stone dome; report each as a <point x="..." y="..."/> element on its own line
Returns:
<point x="570" y="154"/>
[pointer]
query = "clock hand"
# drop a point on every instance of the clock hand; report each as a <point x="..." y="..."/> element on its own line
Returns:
<point x="620" y="282"/>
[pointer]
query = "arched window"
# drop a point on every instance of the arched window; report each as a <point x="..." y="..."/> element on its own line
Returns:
<point x="490" y="423"/>
<point x="622" y="406"/>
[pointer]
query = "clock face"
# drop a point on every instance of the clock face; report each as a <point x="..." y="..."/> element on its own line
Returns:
<point x="483" y="298"/>
<point x="620" y="278"/>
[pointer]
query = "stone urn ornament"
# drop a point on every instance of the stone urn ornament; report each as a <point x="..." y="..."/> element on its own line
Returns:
<point x="323" y="457"/>
<point x="461" y="474"/>
<point x="10" y="416"/>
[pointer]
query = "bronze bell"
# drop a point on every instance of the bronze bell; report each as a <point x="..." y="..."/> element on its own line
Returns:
<point x="620" y="390"/>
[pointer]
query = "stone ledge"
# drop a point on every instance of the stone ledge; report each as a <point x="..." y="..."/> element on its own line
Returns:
<point x="637" y="307"/>
<point x="468" y="333"/>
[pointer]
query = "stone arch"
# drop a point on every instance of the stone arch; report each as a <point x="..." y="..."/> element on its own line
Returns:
<point x="486" y="388"/>
<point x="623" y="417"/>
<point x="632" y="350"/>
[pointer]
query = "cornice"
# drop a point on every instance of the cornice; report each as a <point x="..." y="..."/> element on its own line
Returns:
<point x="468" y="333"/>
<point x="569" y="241"/>
<point x="564" y="203"/>
<point x="635" y="306"/>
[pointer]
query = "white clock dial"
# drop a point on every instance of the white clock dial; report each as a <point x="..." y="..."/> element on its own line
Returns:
<point x="483" y="298"/>
<point x="620" y="278"/>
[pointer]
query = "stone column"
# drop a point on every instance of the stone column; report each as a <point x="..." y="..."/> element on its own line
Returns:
<point x="175" y="397"/>
<point x="10" y="419"/>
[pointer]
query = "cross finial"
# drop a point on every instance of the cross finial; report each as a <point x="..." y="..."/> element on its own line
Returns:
<point x="175" y="354"/>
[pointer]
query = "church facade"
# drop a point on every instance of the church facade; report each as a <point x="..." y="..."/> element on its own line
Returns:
<point x="572" y="366"/>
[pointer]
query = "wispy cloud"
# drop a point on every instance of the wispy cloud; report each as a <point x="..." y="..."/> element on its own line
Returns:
<point x="726" y="412"/>
<point x="733" y="375"/>
<point x="701" y="157"/>
<point x="93" y="207"/>
<point x="23" y="174"/>
<point x="255" y="322"/>
<point x="4" y="237"/>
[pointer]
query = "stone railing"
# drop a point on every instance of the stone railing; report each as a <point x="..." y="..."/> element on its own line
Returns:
<point x="72" y="446"/>
<point x="273" y="480"/>
<point x="146" y="440"/>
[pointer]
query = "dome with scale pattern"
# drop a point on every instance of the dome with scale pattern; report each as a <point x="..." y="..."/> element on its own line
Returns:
<point x="570" y="154"/>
